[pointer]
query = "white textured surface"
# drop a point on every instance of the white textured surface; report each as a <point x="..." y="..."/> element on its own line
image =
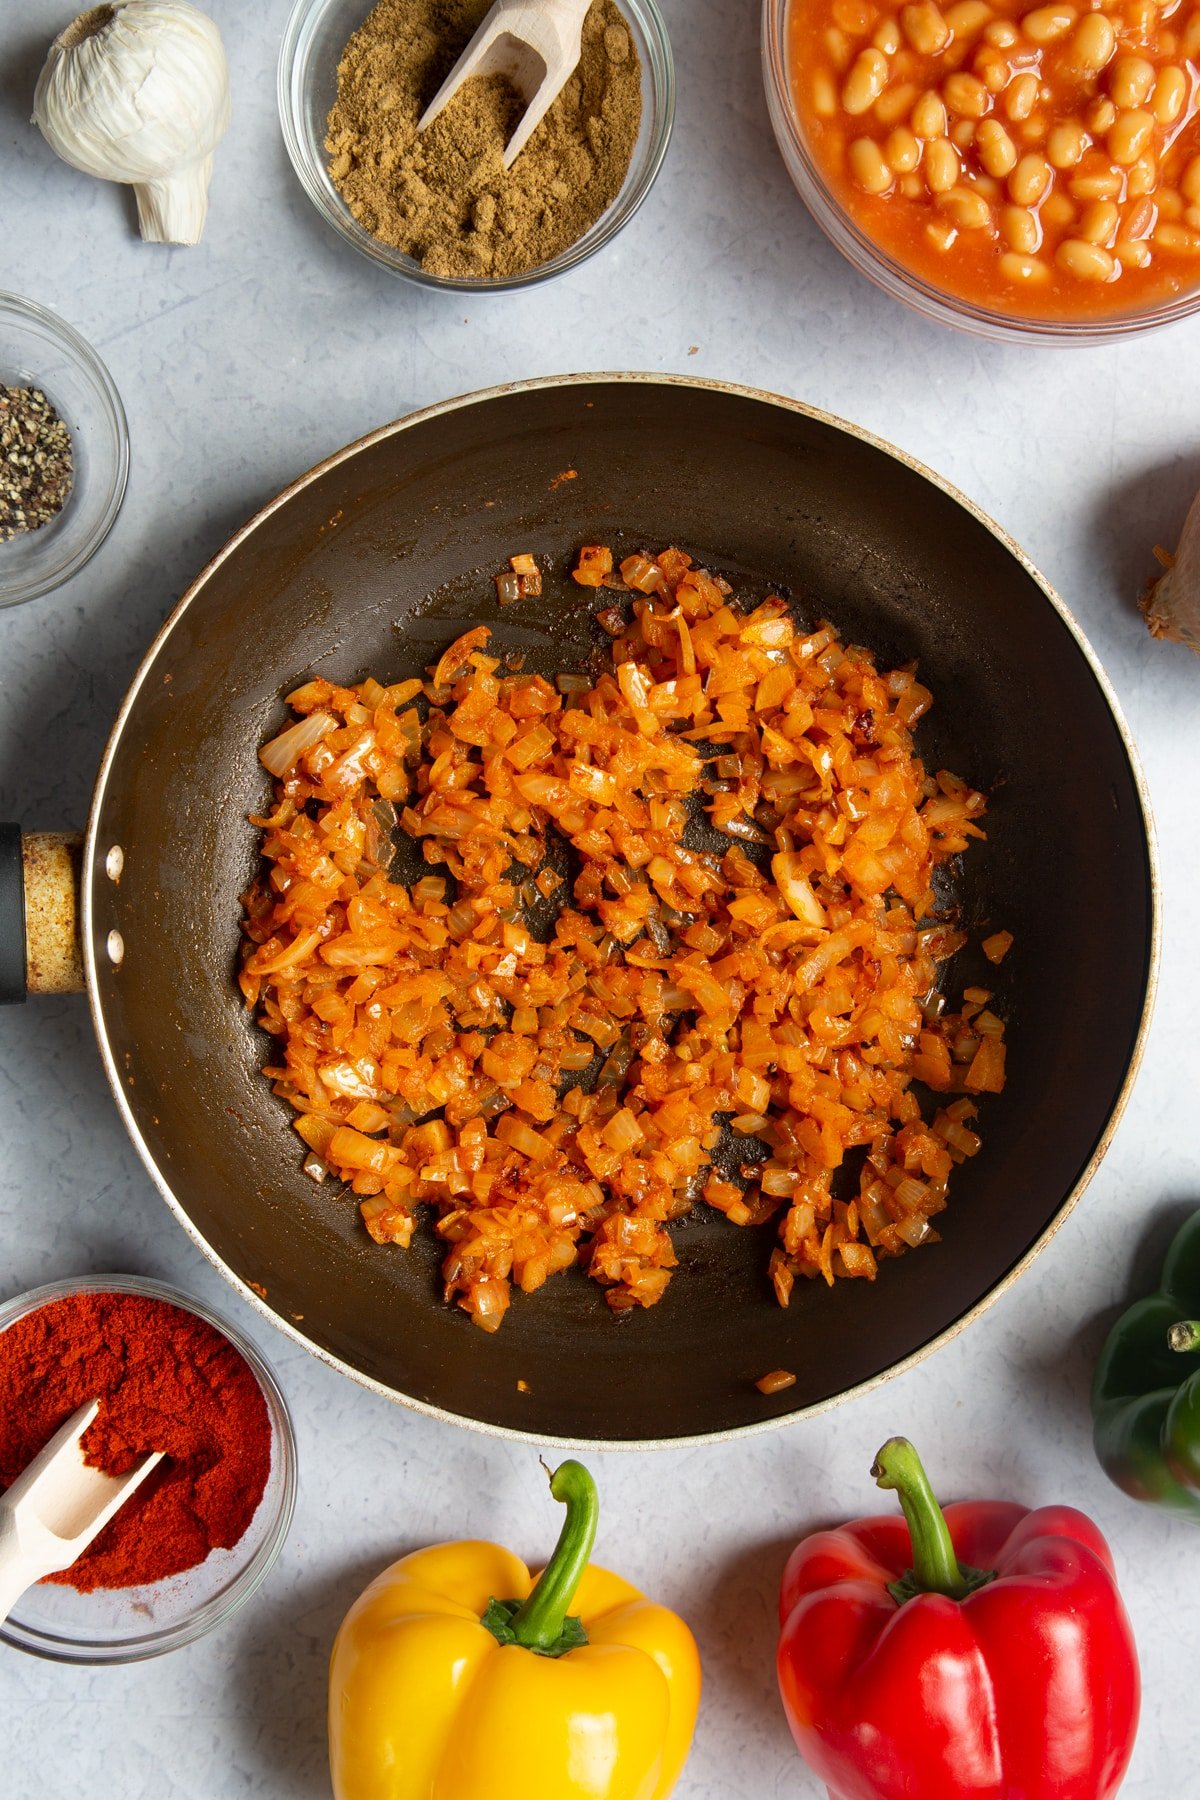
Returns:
<point x="242" y="362"/>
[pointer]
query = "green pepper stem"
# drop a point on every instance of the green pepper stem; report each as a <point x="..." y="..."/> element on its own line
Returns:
<point x="1185" y="1335"/>
<point x="935" y="1567"/>
<point x="538" y="1622"/>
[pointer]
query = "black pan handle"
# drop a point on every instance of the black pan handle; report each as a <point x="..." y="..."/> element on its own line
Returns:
<point x="13" y="980"/>
<point x="39" y="914"/>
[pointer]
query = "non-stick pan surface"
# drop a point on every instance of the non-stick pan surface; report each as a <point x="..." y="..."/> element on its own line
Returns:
<point x="373" y="563"/>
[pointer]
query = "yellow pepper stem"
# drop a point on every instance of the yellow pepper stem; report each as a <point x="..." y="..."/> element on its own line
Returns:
<point x="541" y="1622"/>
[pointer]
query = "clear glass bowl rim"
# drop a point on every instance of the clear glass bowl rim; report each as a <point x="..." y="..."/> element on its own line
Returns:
<point x="301" y="23"/>
<point x="892" y="276"/>
<point x="79" y="351"/>
<point x="215" y="1611"/>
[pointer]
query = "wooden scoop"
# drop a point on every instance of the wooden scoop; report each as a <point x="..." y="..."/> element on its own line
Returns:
<point x="536" y="44"/>
<point x="56" y="1506"/>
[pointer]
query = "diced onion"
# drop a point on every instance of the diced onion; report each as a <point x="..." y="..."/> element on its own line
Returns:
<point x="282" y="754"/>
<point x="438" y="1039"/>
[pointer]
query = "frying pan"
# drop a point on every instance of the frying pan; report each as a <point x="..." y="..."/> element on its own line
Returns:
<point x="373" y="562"/>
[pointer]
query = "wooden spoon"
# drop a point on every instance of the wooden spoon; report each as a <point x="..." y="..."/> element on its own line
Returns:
<point x="56" y="1506"/>
<point x="535" y="44"/>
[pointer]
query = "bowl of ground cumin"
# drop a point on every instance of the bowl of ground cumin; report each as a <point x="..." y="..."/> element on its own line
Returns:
<point x="64" y="450"/>
<point x="438" y="207"/>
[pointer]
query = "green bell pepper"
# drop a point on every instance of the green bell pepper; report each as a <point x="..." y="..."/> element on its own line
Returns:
<point x="1146" y="1394"/>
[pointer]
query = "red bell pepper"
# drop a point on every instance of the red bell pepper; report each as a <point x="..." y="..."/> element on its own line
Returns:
<point x="982" y="1653"/>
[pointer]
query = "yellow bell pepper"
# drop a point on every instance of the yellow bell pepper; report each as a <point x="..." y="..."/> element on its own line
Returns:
<point x="440" y="1690"/>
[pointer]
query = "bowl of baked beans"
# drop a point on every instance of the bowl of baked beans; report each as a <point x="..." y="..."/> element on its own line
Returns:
<point x="1011" y="169"/>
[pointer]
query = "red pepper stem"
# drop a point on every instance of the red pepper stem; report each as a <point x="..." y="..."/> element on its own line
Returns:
<point x="538" y="1622"/>
<point x="935" y="1567"/>
<point x="1185" y="1335"/>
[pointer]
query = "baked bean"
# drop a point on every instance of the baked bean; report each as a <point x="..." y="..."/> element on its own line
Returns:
<point x="1139" y="220"/>
<point x="1143" y="176"/>
<point x="965" y="96"/>
<point x="1092" y="43"/>
<point x="992" y="69"/>
<point x="962" y="134"/>
<point x="929" y="116"/>
<point x="1022" y="269"/>
<point x="1189" y="186"/>
<point x="968" y="17"/>
<point x="1046" y="24"/>
<point x="942" y="234"/>
<point x="887" y="37"/>
<point x="902" y="150"/>
<point x="1098" y="222"/>
<point x="969" y="211"/>
<point x="1058" y="210"/>
<point x="991" y="190"/>
<point x="1170" y="203"/>
<point x="912" y="187"/>
<point x="1020" y="228"/>
<point x="1029" y="180"/>
<point x="1001" y="34"/>
<point x="824" y="95"/>
<point x="895" y="102"/>
<point x="1131" y="254"/>
<point x="997" y="152"/>
<point x="865" y="82"/>
<point x="839" y="47"/>
<point x="1129" y="136"/>
<point x="868" y="167"/>
<point x="1066" y="143"/>
<point x="1170" y="92"/>
<point x="1021" y="97"/>
<point x="1177" y="237"/>
<point x="1096" y="184"/>
<point x="1086" y="262"/>
<point x="941" y="166"/>
<point x="1131" y="81"/>
<point x="924" y="27"/>
<point x="1101" y="115"/>
<point x="1192" y="217"/>
<point x="1189" y="43"/>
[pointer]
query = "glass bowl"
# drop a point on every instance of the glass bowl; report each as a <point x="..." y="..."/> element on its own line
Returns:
<point x="38" y="349"/>
<point x="313" y="43"/>
<point x="892" y="276"/>
<point x="120" y="1625"/>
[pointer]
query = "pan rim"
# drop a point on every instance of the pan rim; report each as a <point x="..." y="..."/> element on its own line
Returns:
<point x="766" y="397"/>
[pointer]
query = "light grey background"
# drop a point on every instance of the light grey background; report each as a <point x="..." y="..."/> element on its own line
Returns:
<point x="242" y="362"/>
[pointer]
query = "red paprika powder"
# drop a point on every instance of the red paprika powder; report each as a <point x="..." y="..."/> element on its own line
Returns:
<point x="166" y="1380"/>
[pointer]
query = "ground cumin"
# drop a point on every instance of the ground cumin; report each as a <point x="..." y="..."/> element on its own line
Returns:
<point x="443" y="196"/>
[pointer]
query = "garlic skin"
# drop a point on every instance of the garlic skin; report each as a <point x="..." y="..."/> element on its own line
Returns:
<point x="1172" y="603"/>
<point x="138" y="91"/>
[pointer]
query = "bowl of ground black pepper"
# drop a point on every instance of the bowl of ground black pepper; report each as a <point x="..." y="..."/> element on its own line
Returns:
<point x="204" y="1530"/>
<point x="64" y="450"/>
<point x="438" y="207"/>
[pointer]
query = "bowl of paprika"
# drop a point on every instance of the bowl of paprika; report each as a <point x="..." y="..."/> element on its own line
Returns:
<point x="203" y="1532"/>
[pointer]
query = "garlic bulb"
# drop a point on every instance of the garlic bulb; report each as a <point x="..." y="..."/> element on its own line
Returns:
<point x="138" y="91"/>
<point x="1172" y="603"/>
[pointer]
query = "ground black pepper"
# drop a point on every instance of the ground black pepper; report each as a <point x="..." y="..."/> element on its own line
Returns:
<point x="36" y="465"/>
